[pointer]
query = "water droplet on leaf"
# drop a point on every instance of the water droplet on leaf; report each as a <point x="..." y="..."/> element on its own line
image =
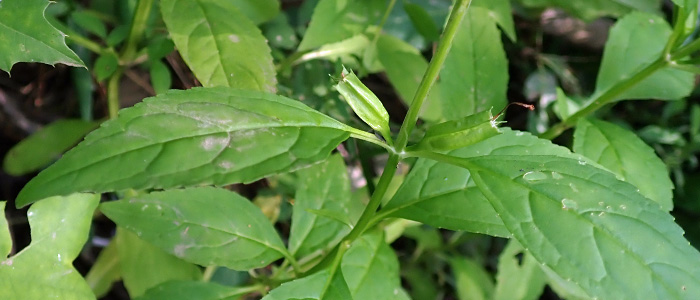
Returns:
<point x="534" y="176"/>
<point x="568" y="204"/>
<point x="556" y="175"/>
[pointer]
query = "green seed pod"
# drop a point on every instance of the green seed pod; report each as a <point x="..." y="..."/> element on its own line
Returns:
<point x="365" y="104"/>
<point x="460" y="133"/>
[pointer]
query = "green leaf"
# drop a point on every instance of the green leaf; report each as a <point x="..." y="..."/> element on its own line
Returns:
<point x="471" y="280"/>
<point x="371" y="268"/>
<point x="105" y="65"/>
<point x="5" y="237"/>
<point x="324" y="186"/>
<point x="160" y="76"/>
<point x="459" y="133"/>
<point x="180" y="289"/>
<point x="336" y="20"/>
<point x="104" y="271"/>
<point x="445" y="196"/>
<point x="499" y="11"/>
<point x="219" y="44"/>
<point x="258" y="11"/>
<point x="590" y="10"/>
<point x="280" y="33"/>
<point x="310" y="287"/>
<point x="90" y="22"/>
<point x="45" y="146"/>
<point x="207" y="226"/>
<point x="589" y="227"/>
<point x="634" y="43"/>
<point x="44" y="269"/>
<point x="475" y="74"/>
<point x="519" y="274"/>
<point x="626" y="155"/>
<point x="144" y="266"/>
<point x="200" y="136"/>
<point x="422" y="21"/>
<point x="404" y="65"/>
<point x="28" y="37"/>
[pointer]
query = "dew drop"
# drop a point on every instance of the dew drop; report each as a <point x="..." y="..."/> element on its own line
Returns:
<point x="608" y="207"/>
<point x="601" y="203"/>
<point x="556" y="175"/>
<point x="534" y="176"/>
<point x="622" y="206"/>
<point x="602" y="213"/>
<point x="580" y="162"/>
<point x="568" y="204"/>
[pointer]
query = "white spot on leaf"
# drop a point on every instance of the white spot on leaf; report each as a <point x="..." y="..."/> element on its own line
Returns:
<point x="234" y="38"/>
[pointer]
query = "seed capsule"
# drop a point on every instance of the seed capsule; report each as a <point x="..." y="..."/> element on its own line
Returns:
<point x="364" y="103"/>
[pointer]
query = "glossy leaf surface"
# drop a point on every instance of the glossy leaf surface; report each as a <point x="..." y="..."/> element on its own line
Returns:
<point x="28" y="37"/>
<point x="207" y="226"/>
<point x="45" y="146"/>
<point x="336" y="20"/>
<point x="183" y="290"/>
<point x="219" y="44"/>
<point x="445" y="196"/>
<point x="200" y="136"/>
<point x="324" y="186"/>
<point x="475" y="75"/>
<point x="44" y="269"/>
<point x="626" y="155"/>
<point x="589" y="227"/>
<point x="144" y="266"/>
<point x="634" y="43"/>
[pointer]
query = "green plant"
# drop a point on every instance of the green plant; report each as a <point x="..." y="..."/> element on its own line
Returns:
<point x="593" y="223"/>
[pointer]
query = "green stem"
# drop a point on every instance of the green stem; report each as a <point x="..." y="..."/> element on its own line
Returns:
<point x="368" y="137"/>
<point x="113" y="93"/>
<point x="367" y="217"/>
<point x="456" y="15"/>
<point x="138" y="25"/>
<point x="344" y="246"/>
<point x="686" y="50"/>
<point x="208" y="273"/>
<point x="385" y="17"/>
<point x="679" y="25"/>
<point x="604" y="98"/>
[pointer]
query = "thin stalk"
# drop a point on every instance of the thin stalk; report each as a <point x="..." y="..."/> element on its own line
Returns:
<point x="459" y="9"/>
<point x="385" y="17"/>
<point x="686" y="50"/>
<point x="208" y="273"/>
<point x="679" y="25"/>
<point x="138" y="25"/>
<point x="113" y="93"/>
<point x="456" y="15"/>
<point x="344" y="246"/>
<point x="368" y="137"/>
<point x="604" y="98"/>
